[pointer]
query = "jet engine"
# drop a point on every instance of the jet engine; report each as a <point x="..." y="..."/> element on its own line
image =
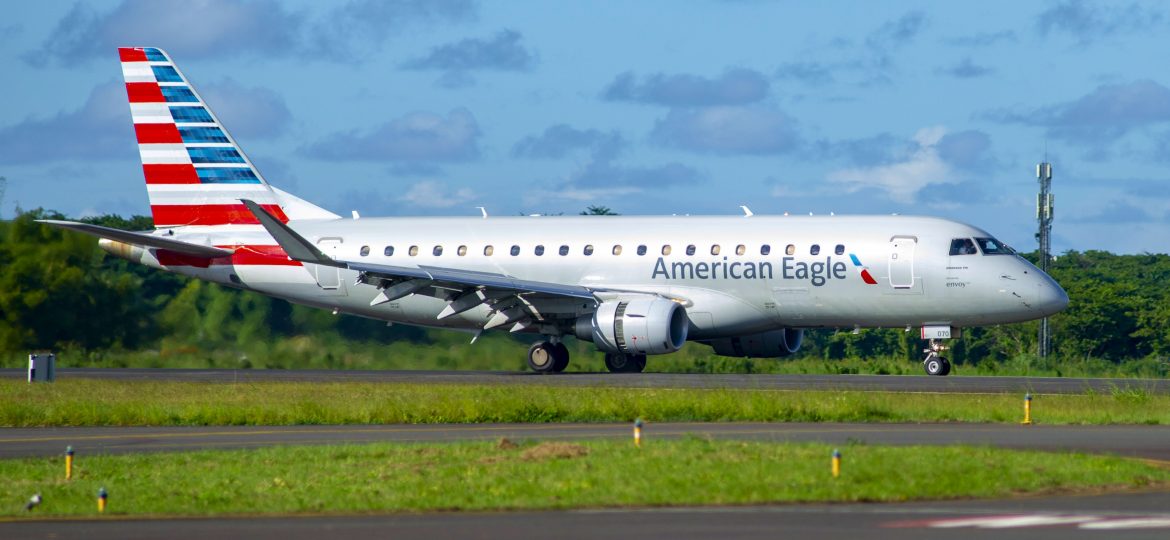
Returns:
<point x="638" y="326"/>
<point x="774" y="344"/>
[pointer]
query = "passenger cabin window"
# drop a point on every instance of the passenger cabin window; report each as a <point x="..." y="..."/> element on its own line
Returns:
<point x="389" y="251"/>
<point x="691" y="249"/>
<point x="715" y="249"/>
<point x="515" y="250"/>
<point x="437" y="251"/>
<point x="413" y="251"/>
<point x="539" y="250"/>
<point x="617" y="250"/>
<point x="740" y="249"/>
<point x="991" y="246"/>
<point x="564" y="250"/>
<point x="765" y="249"/>
<point x="963" y="246"/>
<point x="815" y="249"/>
<point x="588" y="250"/>
<point x="461" y="251"/>
<point x="666" y="249"/>
<point x="364" y="251"/>
<point x="641" y="250"/>
<point x="840" y="249"/>
<point x="488" y="250"/>
<point x="790" y="250"/>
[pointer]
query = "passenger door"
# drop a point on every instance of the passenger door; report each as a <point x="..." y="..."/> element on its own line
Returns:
<point x="329" y="277"/>
<point x="901" y="271"/>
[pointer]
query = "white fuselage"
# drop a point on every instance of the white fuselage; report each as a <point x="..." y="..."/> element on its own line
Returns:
<point x="731" y="285"/>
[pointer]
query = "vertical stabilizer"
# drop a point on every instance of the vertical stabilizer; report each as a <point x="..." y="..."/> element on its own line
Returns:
<point x="195" y="172"/>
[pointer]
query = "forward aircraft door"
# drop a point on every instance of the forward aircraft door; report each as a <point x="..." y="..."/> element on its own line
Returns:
<point x="902" y="261"/>
<point x="329" y="277"/>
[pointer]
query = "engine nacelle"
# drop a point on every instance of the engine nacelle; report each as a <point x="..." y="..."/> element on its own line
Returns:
<point x="638" y="326"/>
<point x="774" y="344"/>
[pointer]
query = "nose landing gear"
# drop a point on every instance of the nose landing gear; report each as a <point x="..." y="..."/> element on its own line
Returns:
<point x="934" y="364"/>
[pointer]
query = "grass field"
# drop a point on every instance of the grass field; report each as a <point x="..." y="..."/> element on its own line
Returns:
<point x="80" y="402"/>
<point x="495" y="352"/>
<point x="506" y="475"/>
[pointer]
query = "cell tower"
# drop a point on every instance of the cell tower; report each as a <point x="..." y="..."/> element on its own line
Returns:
<point x="1044" y="215"/>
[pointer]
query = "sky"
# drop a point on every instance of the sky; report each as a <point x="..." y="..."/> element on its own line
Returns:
<point x="435" y="107"/>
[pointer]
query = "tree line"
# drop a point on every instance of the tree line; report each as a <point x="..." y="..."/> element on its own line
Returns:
<point x="59" y="291"/>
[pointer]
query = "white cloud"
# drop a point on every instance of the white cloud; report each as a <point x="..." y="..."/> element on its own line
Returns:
<point x="417" y="136"/>
<point x="728" y="130"/>
<point x="575" y="194"/>
<point x="904" y="179"/>
<point x="192" y="29"/>
<point x="432" y="194"/>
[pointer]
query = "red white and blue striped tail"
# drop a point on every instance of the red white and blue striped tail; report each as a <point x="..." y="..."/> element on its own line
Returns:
<point x="195" y="172"/>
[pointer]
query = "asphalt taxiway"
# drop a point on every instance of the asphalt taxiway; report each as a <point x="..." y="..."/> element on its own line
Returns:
<point x="1150" y="442"/>
<point x="886" y="383"/>
<point x="1127" y="516"/>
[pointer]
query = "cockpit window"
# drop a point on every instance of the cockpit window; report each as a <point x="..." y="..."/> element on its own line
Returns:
<point x="963" y="246"/>
<point x="991" y="246"/>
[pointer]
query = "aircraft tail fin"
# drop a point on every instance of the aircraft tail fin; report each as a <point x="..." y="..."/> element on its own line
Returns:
<point x="196" y="174"/>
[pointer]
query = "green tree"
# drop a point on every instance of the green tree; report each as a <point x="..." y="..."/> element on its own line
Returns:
<point x="53" y="293"/>
<point x="594" y="210"/>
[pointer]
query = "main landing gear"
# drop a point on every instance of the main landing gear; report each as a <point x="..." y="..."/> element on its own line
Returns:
<point x="625" y="363"/>
<point x="553" y="357"/>
<point x="935" y="364"/>
<point x="548" y="357"/>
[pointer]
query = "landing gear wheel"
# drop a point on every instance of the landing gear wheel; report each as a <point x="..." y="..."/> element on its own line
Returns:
<point x="639" y="364"/>
<point x="936" y="365"/>
<point x="625" y="363"/>
<point x="542" y="358"/>
<point x="560" y="357"/>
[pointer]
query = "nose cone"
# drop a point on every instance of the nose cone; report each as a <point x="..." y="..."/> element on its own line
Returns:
<point x="1050" y="298"/>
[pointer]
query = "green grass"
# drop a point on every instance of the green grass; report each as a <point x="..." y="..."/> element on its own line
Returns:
<point x="82" y="402"/>
<point x="497" y="352"/>
<point x="495" y="476"/>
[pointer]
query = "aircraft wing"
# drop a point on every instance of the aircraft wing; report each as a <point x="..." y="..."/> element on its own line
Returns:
<point x="466" y="278"/>
<point x="468" y="288"/>
<point x="141" y="239"/>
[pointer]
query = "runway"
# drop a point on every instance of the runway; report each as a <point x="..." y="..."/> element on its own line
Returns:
<point x="1129" y="516"/>
<point x="886" y="383"/>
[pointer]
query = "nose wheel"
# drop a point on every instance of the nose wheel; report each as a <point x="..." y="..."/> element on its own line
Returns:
<point x="935" y="364"/>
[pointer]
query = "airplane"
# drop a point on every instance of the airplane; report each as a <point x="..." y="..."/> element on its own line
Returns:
<point x="635" y="286"/>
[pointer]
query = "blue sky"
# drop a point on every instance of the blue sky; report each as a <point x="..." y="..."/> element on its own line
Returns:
<point x="434" y="107"/>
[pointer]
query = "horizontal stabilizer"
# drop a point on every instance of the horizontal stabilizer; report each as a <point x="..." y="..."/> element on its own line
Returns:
<point x="142" y="239"/>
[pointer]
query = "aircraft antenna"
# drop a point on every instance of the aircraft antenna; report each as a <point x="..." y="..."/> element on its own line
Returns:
<point x="1044" y="216"/>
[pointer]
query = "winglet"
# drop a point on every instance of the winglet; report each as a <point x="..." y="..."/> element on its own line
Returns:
<point x="295" y="245"/>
